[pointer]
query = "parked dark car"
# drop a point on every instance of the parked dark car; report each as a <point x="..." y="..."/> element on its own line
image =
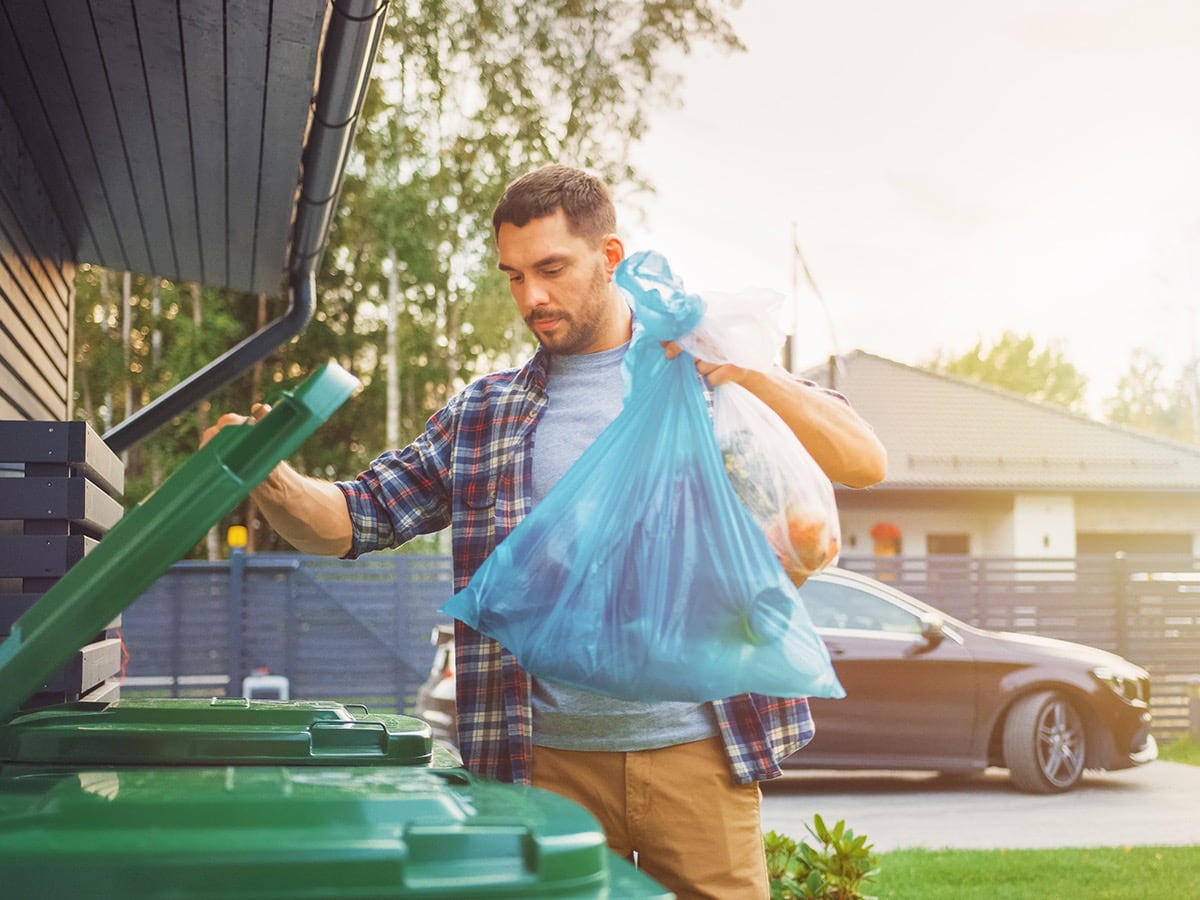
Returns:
<point x="435" y="698"/>
<point x="926" y="691"/>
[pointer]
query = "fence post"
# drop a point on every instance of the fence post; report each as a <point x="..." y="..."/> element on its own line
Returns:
<point x="236" y="538"/>
<point x="1121" y="596"/>
<point x="1193" y="694"/>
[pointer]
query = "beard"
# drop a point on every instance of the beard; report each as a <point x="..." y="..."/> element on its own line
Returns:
<point x="578" y="329"/>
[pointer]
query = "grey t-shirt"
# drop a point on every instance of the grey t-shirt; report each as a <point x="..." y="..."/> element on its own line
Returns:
<point x="584" y="394"/>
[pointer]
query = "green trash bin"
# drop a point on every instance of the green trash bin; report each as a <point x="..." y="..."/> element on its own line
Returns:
<point x="229" y="797"/>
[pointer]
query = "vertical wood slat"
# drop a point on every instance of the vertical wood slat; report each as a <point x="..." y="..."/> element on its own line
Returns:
<point x="146" y="224"/>
<point x="162" y="57"/>
<point x="295" y="41"/>
<point x="202" y="22"/>
<point x="247" y="33"/>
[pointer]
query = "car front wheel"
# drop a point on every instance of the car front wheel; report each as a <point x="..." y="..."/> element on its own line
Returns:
<point x="1045" y="743"/>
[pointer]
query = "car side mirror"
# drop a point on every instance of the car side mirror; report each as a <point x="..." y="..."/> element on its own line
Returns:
<point x="932" y="633"/>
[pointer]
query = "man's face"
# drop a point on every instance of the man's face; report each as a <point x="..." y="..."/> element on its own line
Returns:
<point x="562" y="284"/>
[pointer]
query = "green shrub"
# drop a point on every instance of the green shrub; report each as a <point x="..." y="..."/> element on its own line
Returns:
<point x="837" y="870"/>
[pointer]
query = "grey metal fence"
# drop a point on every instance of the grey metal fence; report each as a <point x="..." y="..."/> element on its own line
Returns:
<point x="1143" y="607"/>
<point x="360" y="630"/>
<point x="336" y="629"/>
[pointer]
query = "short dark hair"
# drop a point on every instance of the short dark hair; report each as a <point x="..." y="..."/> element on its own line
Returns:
<point x="582" y="197"/>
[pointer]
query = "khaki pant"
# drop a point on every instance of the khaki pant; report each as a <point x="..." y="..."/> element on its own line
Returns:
<point x="677" y="808"/>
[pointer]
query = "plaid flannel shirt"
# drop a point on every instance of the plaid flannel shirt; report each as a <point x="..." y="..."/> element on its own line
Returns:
<point x="471" y="470"/>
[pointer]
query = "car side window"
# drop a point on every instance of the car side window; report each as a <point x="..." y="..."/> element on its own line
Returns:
<point x="832" y="605"/>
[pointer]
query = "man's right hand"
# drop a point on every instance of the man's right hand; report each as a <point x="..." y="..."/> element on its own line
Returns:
<point x="257" y="411"/>
<point x="308" y="513"/>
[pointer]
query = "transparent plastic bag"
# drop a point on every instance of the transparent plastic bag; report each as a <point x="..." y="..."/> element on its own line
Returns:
<point x="774" y="475"/>
<point x="641" y="575"/>
<point x="777" y="479"/>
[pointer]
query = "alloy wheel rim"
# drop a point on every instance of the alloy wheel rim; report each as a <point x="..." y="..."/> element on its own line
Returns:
<point x="1060" y="744"/>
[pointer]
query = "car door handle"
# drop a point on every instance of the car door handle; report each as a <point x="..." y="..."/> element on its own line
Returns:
<point x="834" y="649"/>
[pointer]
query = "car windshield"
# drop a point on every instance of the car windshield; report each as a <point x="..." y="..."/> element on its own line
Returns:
<point x="832" y="604"/>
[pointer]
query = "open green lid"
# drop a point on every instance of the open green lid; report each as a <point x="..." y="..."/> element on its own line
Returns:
<point x="158" y="531"/>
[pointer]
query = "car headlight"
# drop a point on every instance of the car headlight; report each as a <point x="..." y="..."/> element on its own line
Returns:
<point x="1124" y="684"/>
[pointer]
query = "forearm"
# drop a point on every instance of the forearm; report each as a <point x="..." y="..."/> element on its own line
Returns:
<point x="309" y="514"/>
<point x="843" y="445"/>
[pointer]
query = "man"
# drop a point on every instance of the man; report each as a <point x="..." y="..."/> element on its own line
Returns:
<point x="674" y="783"/>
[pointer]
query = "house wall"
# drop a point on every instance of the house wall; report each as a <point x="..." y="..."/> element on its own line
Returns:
<point x="37" y="290"/>
<point x="987" y="519"/>
<point x="1030" y="525"/>
<point x="1043" y="525"/>
<point x="1140" y="514"/>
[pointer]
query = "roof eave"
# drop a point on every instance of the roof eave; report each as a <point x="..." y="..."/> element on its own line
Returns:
<point x="348" y="51"/>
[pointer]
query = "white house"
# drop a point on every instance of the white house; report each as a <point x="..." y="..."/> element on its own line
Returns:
<point x="977" y="470"/>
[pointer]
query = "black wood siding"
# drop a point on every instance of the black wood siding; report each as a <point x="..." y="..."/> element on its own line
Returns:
<point x="37" y="290"/>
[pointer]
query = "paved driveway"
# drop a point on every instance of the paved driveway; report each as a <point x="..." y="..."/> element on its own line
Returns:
<point x="1155" y="804"/>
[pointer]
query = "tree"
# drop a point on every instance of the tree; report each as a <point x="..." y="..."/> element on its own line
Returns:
<point x="467" y="94"/>
<point x="1015" y="363"/>
<point x="1146" y="398"/>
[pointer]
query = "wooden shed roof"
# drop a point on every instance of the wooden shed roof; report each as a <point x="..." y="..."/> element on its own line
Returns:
<point x="170" y="135"/>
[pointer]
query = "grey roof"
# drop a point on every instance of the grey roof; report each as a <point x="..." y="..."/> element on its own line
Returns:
<point x="169" y="135"/>
<point x="944" y="432"/>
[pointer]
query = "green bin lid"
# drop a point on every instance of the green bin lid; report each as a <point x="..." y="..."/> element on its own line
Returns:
<point x="158" y="531"/>
<point x="297" y="833"/>
<point x="219" y="731"/>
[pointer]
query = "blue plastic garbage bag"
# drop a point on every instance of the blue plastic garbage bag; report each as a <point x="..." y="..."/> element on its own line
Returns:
<point x="641" y="575"/>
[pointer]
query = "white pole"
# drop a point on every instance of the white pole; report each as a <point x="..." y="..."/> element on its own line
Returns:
<point x="393" y="364"/>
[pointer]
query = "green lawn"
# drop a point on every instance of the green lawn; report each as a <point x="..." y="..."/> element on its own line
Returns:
<point x="1183" y="750"/>
<point x="1106" y="873"/>
<point x="1114" y="873"/>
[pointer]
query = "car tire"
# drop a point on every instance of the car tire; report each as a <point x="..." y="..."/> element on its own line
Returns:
<point x="1045" y="743"/>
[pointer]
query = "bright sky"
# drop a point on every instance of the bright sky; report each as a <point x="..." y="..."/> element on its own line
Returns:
<point x="953" y="168"/>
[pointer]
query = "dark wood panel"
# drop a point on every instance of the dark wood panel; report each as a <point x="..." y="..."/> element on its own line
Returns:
<point x="40" y="221"/>
<point x="247" y="29"/>
<point x="35" y="362"/>
<point x="163" y="60"/>
<point x="70" y="498"/>
<point x="73" y="444"/>
<point x="92" y="665"/>
<point x="42" y="555"/>
<point x="120" y="51"/>
<point x="295" y="39"/>
<point x="45" y="311"/>
<point x="17" y="158"/>
<point x="22" y="382"/>
<point x="12" y="607"/>
<point x="203" y="53"/>
<point x="42" y="98"/>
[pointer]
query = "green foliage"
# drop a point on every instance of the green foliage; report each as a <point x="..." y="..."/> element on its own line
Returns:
<point x="835" y="870"/>
<point x="1016" y="364"/>
<point x="467" y="94"/>
<point x="1148" y="399"/>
